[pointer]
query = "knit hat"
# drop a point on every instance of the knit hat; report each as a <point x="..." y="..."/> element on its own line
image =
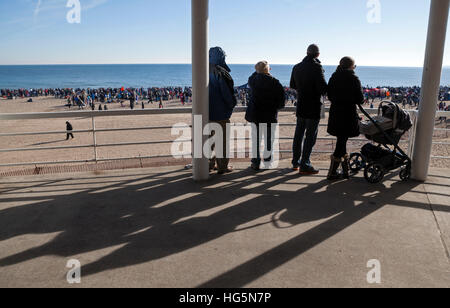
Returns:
<point x="313" y="49"/>
<point x="347" y="63"/>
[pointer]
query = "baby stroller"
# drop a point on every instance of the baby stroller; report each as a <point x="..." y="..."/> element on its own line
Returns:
<point x="386" y="130"/>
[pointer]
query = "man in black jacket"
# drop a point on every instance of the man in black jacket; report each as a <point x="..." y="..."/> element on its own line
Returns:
<point x="69" y="129"/>
<point x="309" y="81"/>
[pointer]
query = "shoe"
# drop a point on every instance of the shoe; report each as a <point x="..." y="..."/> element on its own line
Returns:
<point x="296" y="168"/>
<point x="228" y="170"/>
<point x="332" y="173"/>
<point x="308" y="170"/>
<point x="268" y="160"/>
<point x="255" y="167"/>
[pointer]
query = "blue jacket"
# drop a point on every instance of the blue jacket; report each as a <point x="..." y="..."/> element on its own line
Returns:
<point x="221" y="87"/>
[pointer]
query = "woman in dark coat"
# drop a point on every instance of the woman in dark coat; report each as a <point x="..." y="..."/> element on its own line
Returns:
<point x="267" y="97"/>
<point x="345" y="93"/>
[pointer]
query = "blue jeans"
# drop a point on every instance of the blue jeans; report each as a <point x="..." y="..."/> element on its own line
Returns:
<point x="310" y="128"/>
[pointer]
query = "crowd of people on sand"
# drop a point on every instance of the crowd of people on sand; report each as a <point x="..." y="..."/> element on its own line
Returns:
<point x="88" y="98"/>
<point x="85" y="98"/>
<point x="265" y="97"/>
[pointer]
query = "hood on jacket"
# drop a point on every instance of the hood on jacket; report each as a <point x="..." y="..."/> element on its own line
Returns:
<point x="217" y="57"/>
<point x="260" y="80"/>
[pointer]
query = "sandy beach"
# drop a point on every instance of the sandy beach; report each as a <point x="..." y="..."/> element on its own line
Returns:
<point x="43" y="104"/>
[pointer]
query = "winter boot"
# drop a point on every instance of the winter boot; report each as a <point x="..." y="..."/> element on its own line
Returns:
<point x="346" y="166"/>
<point x="332" y="173"/>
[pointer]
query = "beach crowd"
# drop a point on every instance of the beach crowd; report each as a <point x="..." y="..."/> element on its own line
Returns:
<point x="87" y="97"/>
<point x="407" y="96"/>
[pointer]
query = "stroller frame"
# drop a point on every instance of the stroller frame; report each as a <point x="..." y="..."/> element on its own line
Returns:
<point x="375" y="170"/>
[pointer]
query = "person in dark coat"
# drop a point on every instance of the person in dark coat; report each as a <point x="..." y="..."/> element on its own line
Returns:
<point x="132" y="100"/>
<point x="345" y="93"/>
<point x="267" y="97"/>
<point x="309" y="80"/>
<point x="69" y="129"/>
<point x="221" y="104"/>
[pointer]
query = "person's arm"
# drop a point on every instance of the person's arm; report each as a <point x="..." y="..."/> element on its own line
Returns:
<point x="293" y="84"/>
<point x="281" y="95"/>
<point x="227" y="94"/>
<point x="358" y="91"/>
<point x="330" y="89"/>
<point x="321" y="83"/>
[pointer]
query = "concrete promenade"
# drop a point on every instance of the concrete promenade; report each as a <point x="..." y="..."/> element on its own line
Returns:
<point x="157" y="228"/>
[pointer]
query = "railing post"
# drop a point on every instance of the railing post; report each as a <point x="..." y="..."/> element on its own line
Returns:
<point x="412" y="133"/>
<point x="432" y="70"/>
<point x="200" y="87"/>
<point x="95" y="138"/>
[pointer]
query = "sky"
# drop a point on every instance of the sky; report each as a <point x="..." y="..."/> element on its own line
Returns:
<point x="151" y="31"/>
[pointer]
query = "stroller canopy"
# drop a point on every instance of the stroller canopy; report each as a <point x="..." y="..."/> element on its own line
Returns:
<point x="401" y="119"/>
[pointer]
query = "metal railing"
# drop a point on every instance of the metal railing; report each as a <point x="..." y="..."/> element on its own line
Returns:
<point x="116" y="113"/>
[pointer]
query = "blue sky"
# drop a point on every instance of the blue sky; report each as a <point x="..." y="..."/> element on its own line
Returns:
<point x="150" y="31"/>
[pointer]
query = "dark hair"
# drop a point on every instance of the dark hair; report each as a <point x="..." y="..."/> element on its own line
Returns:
<point x="346" y="63"/>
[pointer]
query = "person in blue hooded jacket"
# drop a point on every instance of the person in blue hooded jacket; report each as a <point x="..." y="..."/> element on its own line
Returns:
<point x="221" y="102"/>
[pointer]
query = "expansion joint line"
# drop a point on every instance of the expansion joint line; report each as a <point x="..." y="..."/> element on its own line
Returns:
<point x="437" y="224"/>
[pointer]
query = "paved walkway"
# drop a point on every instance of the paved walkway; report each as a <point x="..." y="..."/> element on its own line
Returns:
<point x="157" y="228"/>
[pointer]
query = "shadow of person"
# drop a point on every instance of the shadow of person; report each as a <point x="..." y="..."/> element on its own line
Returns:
<point x="338" y="203"/>
<point x="117" y="214"/>
<point x="164" y="214"/>
<point x="317" y="204"/>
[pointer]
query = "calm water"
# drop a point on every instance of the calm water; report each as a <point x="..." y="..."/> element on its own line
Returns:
<point x="155" y="75"/>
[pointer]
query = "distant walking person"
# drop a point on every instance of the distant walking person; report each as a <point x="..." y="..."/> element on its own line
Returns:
<point x="345" y="93"/>
<point x="309" y="81"/>
<point x="221" y="104"/>
<point x="267" y="97"/>
<point x="69" y="129"/>
<point x="132" y="100"/>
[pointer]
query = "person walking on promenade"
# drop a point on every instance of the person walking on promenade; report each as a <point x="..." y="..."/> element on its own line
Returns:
<point x="221" y="104"/>
<point x="267" y="97"/>
<point x="345" y="93"/>
<point x="69" y="129"/>
<point x="132" y="100"/>
<point x="309" y="81"/>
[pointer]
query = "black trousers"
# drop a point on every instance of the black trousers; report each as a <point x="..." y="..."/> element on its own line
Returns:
<point x="341" y="147"/>
<point x="257" y="137"/>
<point x="70" y="135"/>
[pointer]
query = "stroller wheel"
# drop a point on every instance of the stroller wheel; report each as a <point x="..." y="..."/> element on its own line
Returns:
<point x="405" y="174"/>
<point x="374" y="173"/>
<point x="357" y="162"/>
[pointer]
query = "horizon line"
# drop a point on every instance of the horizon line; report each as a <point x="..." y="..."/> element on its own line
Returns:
<point x="279" y="64"/>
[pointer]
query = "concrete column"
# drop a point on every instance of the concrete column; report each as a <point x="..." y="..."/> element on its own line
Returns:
<point x="432" y="72"/>
<point x="200" y="84"/>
